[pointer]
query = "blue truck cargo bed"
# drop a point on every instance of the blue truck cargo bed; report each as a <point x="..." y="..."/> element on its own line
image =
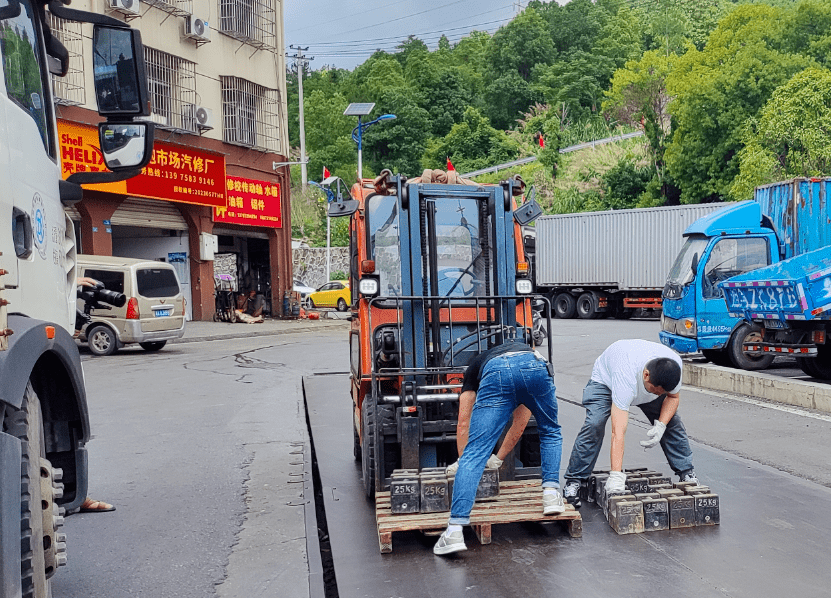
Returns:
<point x="795" y="289"/>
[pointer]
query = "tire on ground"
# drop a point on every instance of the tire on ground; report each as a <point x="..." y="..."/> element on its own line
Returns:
<point x="565" y="306"/>
<point x="746" y="333"/>
<point x="102" y="341"/>
<point x="587" y="306"/>
<point x="368" y="445"/>
<point x="342" y="304"/>
<point x="153" y="345"/>
<point x="717" y="356"/>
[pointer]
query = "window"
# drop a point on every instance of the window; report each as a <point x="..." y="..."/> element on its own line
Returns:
<point x="172" y="84"/>
<point x="731" y="257"/>
<point x="69" y="90"/>
<point x="112" y="281"/>
<point x="250" y="114"/>
<point x="251" y="21"/>
<point x="384" y="248"/>
<point x="22" y="60"/>
<point x="157" y="283"/>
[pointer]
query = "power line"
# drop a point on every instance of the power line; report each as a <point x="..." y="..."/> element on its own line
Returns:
<point x="352" y="15"/>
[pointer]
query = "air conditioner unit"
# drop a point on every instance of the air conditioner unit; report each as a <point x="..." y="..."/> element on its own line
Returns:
<point x="198" y="29"/>
<point x="125" y="7"/>
<point x="203" y="117"/>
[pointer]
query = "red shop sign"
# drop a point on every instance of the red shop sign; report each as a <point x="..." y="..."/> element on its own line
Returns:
<point x="182" y="174"/>
<point x="256" y="203"/>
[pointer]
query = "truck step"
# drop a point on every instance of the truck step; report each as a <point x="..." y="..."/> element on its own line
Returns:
<point x="517" y="501"/>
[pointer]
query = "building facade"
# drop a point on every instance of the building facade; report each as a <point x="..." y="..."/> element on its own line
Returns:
<point x="216" y="76"/>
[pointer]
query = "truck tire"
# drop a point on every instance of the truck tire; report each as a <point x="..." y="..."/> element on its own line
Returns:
<point x="565" y="306"/>
<point x="820" y="366"/>
<point x="38" y="543"/>
<point x="806" y="364"/>
<point x="102" y="341"/>
<point x="717" y="357"/>
<point x="746" y="333"/>
<point x="368" y="445"/>
<point x="586" y="306"/>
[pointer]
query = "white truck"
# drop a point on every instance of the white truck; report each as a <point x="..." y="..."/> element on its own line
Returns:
<point x="45" y="425"/>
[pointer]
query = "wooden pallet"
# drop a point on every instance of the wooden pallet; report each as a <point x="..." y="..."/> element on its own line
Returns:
<point x="517" y="501"/>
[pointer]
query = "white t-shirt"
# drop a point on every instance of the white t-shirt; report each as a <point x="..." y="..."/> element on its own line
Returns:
<point x="620" y="367"/>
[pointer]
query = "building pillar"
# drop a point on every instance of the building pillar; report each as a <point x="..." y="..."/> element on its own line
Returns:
<point x="199" y="220"/>
<point x="280" y="265"/>
<point x="94" y="210"/>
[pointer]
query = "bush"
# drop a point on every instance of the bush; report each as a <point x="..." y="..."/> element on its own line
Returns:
<point x="337" y="275"/>
<point x="624" y="184"/>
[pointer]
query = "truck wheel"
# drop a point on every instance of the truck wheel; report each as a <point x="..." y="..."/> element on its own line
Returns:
<point x="40" y="551"/>
<point x="153" y="346"/>
<point x="565" y="306"/>
<point x="586" y="308"/>
<point x="819" y="366"/>
<point x="102" y="341"/>
<point x="806" y="364"/>
<point x="368" y="445"/>
<point x="746" y="333"/>
<point x="717" y="356"/>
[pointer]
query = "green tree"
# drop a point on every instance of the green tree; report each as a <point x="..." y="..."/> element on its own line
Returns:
<point x="470" y="145"/>
<point x="790" y="137"/>
<point x="397" y="144"/>
<point x="624" y="184"/>
<point x="507" y="97"/>
<point x="718" y="89"/>
<point x="520" y="45"/>
<point x="576" y="82"/>
<point x="574" y="26"/>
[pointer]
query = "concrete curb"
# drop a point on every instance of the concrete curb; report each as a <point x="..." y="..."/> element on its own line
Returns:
<point x="759" y="384"/>
<point x="246" y="333"/>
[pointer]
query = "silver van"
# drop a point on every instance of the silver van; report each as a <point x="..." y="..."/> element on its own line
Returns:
<point x="153" y="313"/>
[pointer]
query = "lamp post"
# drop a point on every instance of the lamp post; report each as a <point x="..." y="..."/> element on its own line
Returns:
<point x="361" y="110"/>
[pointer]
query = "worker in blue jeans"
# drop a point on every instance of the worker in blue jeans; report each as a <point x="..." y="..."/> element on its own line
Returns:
<point x="630" y="373"/>
<point x="503" y="378"/>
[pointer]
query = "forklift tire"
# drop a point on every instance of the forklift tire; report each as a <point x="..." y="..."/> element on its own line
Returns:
<point x="38" y="548"/>
<point x="356" y="444"/>
<point x="368" y="461"/>
<point x="746" y="333"/>
<point x="717" y="357"/>
<point x="565" y="306"/>
<point x="586" y="306"/>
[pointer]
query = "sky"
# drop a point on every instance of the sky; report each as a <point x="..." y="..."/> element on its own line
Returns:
<point x="344" y="33"/>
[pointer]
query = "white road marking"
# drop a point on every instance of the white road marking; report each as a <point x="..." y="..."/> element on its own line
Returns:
<point x="757" y="402"/>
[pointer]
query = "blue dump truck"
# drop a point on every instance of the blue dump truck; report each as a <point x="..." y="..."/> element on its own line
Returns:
<point x="785" y="220"/>
<point x="791" y="303"/>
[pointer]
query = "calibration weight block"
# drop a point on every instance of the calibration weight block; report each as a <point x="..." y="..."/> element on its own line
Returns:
<point x="488" y="484"/>
<point x="434" y="495"/>
<point x="405" y="494"/>
<point x="626" y="516"/>
<point x="707" y="509"/>
<point x="659" y="479"/>
<point x="655" y="514"/>
<point x="636" y="485"/>
<point x="681" y="511"/>
<point x="613" y="500"/>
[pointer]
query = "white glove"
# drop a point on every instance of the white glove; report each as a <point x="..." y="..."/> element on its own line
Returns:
<point x="494" y="462"/>
<point x="616" y="482"/>
<point x="655" y="433"/>
<point x="452" y="468"/>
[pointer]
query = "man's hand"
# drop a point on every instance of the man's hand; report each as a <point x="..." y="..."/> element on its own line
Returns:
<point x="655" y="434"/>
<point x="452" y="468"/>
<point x="86" y="281"/>
<point x="494" y="462"/>
<point x="616" y="482"/>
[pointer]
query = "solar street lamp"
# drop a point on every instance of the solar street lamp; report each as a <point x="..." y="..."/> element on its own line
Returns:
<point x="360" y="110"/>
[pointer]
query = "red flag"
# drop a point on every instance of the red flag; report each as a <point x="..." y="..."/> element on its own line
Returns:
<point x="326" y="173"/>
<point x="450" y="164"/>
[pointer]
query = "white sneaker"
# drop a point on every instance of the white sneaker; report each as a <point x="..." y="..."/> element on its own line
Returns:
<point x="552" y="503"/>
<point x="450" y="543"/>
<point x="690" y="477"/>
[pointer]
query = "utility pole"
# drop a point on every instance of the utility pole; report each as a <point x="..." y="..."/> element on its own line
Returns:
<point x="301" y="62"/>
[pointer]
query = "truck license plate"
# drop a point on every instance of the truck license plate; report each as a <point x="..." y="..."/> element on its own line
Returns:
<point x="161" y="313"/>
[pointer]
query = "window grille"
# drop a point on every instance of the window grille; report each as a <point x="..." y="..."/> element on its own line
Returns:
<point x="69" y="90"/>
<point x="250" y="114"/>
<point x="172" y="84"/>
<point x="177" y="8"/>
<point x="251" y="21"/>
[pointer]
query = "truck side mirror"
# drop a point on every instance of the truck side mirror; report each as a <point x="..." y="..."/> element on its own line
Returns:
<point x="119" y="72"/>
<point x="694" y="265"/>
<point x="125" y="145"/>
<point x="529" y="210"/>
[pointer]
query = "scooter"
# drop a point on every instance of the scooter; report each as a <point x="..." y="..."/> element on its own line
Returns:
<point x="538" y="331"/>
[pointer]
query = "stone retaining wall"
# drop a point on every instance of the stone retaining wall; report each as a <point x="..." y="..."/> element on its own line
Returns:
<point x="310" y="263"/>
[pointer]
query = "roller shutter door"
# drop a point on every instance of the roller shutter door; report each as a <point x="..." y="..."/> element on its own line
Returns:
<point x="149" y="213"/>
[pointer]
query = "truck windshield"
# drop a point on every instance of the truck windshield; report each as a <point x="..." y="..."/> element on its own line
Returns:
<point x="681" y="273"/>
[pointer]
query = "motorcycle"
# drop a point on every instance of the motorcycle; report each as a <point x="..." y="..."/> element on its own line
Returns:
<point x="538" y="330"/>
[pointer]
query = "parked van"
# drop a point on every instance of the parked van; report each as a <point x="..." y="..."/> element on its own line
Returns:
<point x="153" y="314"/>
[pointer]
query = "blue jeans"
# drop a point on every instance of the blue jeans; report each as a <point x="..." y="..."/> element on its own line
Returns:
<point x="597" y="399"/>
<point x="507" y="381"/>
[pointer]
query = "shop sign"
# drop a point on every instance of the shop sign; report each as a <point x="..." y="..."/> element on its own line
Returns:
<point x="256" y="203"/>
<point x="175" y="173"/>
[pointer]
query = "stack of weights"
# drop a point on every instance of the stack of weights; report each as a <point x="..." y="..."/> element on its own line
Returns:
<point x="431" y="490"/>
<point x="652" y="502"/>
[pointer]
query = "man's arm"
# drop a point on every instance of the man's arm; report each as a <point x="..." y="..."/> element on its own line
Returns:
<point x="620" y="419"/>
<point x="521" y="416"/>
<point x="466" y="401"/>
<point x="669" y="407"/>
